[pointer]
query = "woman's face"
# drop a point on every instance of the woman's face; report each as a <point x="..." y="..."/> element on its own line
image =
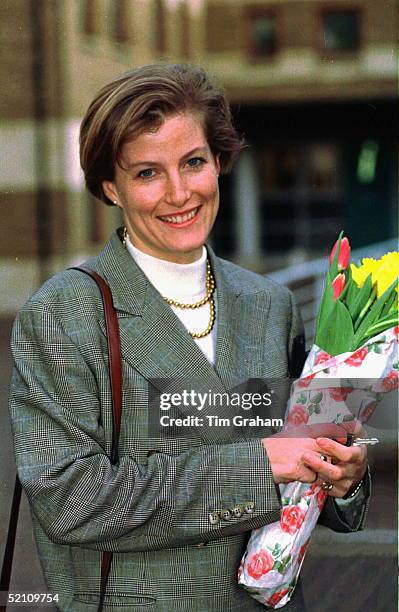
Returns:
<point x="168" y="189"/>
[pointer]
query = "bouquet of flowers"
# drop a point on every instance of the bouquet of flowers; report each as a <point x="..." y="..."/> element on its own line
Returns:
<point x="356" y="342"/>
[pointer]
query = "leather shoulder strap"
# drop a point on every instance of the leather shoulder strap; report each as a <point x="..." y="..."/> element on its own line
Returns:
<point x="115" y="373"/>
<point x="114" y="355"/>
<point x="10" y="542"/>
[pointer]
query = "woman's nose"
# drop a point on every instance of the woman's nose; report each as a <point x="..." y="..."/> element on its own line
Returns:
<point x="177" y="192"/>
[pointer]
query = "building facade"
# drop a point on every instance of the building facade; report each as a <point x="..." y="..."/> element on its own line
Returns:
<point x="314" y="91"/>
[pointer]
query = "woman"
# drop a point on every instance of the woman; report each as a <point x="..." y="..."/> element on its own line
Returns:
<point x="177" y="511"/>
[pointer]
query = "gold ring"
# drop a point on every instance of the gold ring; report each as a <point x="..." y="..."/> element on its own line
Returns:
<point x="326" y="486"/>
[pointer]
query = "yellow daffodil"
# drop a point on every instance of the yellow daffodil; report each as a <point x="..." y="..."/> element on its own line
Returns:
<point x="385" y="274"/>
<point x="360" y="273"/>
<point x="383" y="271"/>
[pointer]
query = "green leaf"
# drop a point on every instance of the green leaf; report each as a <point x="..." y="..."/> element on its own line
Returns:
<point x="390" y="304"/>
<point x="328" y="338"/>
<point x="286" y="560"/>
<point x="316" y="399"/>
<point x="351" y="289"/>
<point x="359" y="299"/>
<point x="382" y="325"/>
<point x="317" y="409"/>
<point x="278" y="567"/>
<point x="372" y="317"/>
<point x="326" y="303"/>
<point x="276" y="550"/>
<point x="374" y="348"/>
<point x="334" y="263"/>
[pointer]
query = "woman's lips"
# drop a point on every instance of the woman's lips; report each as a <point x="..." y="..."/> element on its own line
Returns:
<point x="181" y="219"/>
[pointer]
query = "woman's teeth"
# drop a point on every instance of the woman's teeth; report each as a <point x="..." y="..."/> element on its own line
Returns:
<point x="181" y="218"/>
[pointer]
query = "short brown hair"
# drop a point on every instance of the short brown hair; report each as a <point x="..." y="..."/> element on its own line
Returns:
<point x="142" y="98"/>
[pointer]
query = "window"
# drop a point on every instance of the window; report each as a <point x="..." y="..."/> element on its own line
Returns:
<point x="160" y="27"/>
<point x="341" y="31"/>
<point x="89" y="17"/>
<point x="222" y="27"/>
<point x="261" y="33"/>
<point x="120" y="21"/>
<point x="185" y="25"/>
<point x="301" y="193"/>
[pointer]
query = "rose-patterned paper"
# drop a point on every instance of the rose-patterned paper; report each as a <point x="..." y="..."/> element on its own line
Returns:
<point x="270" y="567"/>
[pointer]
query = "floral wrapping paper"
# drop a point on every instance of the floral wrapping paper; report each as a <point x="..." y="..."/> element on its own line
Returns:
<point x="271" y="564"/>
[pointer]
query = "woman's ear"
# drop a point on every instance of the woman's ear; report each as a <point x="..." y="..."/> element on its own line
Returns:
<point x="109" y="190"/>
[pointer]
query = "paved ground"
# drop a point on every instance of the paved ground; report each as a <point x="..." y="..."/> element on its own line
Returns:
<point x="341" y="573"/>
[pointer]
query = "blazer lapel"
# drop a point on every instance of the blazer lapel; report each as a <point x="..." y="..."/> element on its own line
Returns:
<point x="248" y="353"/>
<point x="242" y="324"/>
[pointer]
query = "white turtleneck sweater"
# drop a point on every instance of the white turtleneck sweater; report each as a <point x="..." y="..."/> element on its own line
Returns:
<point x="183" y="283"/>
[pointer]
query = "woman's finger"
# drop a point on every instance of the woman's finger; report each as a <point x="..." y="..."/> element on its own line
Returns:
<point x="328" y="471"/>
<point x="348" y="454"/>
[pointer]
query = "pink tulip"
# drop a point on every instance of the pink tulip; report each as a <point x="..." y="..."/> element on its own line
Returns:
<point x="344" y="254"/>
<point x="338" y="285"/>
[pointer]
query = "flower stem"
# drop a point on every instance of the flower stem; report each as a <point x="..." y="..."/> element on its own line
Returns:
<point x="364" y="310"/>
<point x="381" y="326"/>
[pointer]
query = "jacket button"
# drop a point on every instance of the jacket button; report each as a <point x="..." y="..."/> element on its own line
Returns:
<point x="225" y="514"/>
<point x="214" y="518"/>
<point x="237" y="511"/>
<point x="249" y="507"/>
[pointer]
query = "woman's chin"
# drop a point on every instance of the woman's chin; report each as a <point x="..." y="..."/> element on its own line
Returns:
<point x="186" y="249"/>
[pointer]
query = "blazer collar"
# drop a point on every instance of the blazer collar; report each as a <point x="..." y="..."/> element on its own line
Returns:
<point x="129" y="284"/>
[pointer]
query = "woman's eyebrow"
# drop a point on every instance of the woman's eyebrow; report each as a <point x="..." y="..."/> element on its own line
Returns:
<point x="197" y="150"/>
<point x="201" y="150"/>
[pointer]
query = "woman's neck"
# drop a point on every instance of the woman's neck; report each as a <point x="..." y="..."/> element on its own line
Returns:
<point x="182" y="282"/>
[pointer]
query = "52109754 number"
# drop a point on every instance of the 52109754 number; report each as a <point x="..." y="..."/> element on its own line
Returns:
<point x="26" y="598"/>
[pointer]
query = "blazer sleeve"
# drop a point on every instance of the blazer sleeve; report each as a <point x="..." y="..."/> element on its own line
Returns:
<point x="79" y="497"/>
<point x="351" y="515"/>
<point x="296" y="349"/>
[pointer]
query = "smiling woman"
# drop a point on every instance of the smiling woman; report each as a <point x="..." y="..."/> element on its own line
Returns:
<point x="177" y="508"/>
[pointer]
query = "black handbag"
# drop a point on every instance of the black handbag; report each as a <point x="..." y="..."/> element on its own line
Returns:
<point x="115" y="375"/>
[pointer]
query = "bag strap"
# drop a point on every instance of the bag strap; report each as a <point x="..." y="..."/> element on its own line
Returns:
<point x="10" y="543"/>
<point x="115" y="375"/>
<point x="114" y="355"/>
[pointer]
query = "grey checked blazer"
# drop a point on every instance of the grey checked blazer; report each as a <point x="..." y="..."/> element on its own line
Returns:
<point x="153" y="509"/>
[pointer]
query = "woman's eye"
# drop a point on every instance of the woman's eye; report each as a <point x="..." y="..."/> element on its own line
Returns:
<point x="195" y="162"/>
<point x="147" y="173"/>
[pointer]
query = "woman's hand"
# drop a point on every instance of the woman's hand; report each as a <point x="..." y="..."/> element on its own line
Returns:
<point x="345" y="469"/>
<point x="293" y="453"/>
